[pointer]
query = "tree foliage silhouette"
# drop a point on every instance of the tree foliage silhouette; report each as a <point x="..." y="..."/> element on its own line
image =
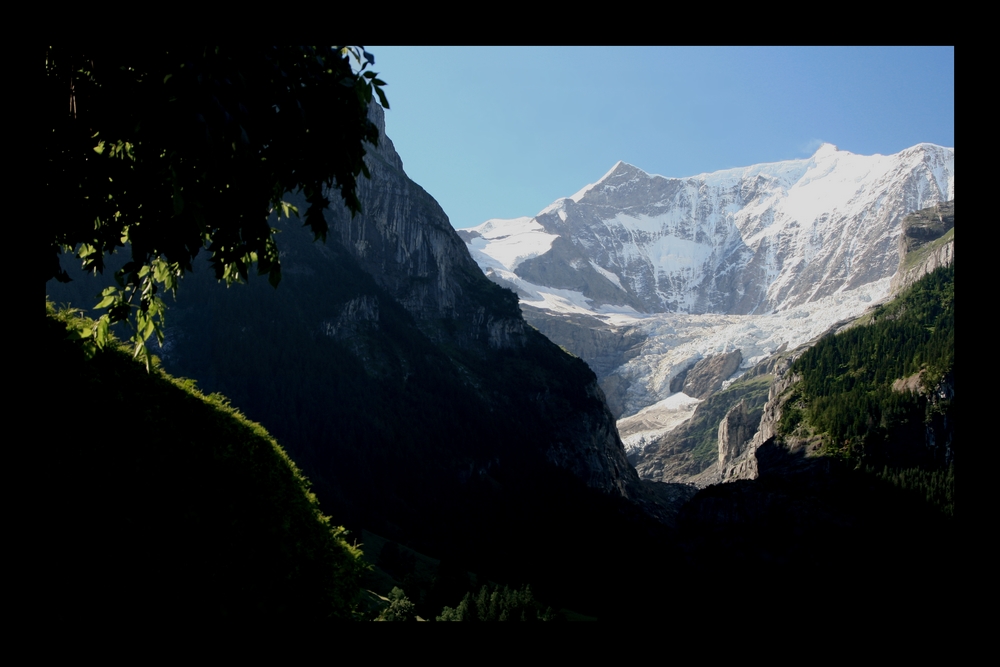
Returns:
<point x="171" y="150"/>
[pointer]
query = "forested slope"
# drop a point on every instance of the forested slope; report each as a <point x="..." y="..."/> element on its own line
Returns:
<point x="854" y="492"/>
<point x="881" y="396"/>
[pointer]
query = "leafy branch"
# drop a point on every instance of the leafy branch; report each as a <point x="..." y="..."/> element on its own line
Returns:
<point x="170" y="151"/>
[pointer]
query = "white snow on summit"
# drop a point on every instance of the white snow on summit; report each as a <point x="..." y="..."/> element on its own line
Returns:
<point x="585" y="189"/>
<point x="766" y="236"/>
<point x="510" y="242"/>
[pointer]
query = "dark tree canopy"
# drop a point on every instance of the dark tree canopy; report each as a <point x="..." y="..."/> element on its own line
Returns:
<point x="171" y="150"/>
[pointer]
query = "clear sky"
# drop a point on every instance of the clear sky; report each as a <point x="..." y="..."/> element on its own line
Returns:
<point x="502" y="132"/>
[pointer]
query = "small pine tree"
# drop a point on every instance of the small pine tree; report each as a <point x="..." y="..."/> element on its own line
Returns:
<point x="400" y="608"/>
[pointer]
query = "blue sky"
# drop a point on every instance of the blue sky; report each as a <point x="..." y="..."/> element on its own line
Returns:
<point x="501" y="132"/>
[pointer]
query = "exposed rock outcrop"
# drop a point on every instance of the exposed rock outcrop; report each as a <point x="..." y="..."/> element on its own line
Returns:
<point x="690" y="453"/>
<point x="358" y="315"/>
<point x="708" y="374"/>
<point x="601" y="345"/>
<point x="735" y="431"/>
<point x="677" y="382"/>
<point x="926" y="243"/>
<point x="741" y="460"/>
<point x="939" y="430"/>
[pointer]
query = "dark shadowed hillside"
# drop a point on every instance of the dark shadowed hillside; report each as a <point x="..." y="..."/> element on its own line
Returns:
<point x="412" y="393"/>
<point x="852" y="467"/>
<point x="168" y="505"/>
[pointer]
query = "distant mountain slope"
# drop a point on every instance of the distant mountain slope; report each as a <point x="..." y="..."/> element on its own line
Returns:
<point x="926" y="246"/>
<point x="926" y="243"/>
<point x="882" y="394"/>
<point x="644" y="276"/>
<point x="846" y="484"/>
<point x="739" y="241"/>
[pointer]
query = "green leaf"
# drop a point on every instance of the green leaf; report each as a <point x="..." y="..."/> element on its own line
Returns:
<point x="102" y="333"/>
<point x="161" y="271"/>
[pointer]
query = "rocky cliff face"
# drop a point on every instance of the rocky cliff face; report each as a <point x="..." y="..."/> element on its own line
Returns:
<point x="716" y="437"/>
<point x="603" y="346"/>
<point x="706" y="377"/>
<point x="927" y="242"/>
<point x="735" y="430"/>
<point x="737" y="456"/>
<point x="404" y="240"/>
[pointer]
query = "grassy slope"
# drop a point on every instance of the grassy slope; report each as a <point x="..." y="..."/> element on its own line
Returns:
<point x="172" y="505"/>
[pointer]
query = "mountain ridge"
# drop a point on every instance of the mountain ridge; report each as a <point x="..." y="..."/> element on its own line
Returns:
<point x="672" y="243"/>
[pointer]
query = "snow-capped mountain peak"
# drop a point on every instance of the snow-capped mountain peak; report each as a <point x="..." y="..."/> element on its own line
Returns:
<point x="824" y="150"/>
<point x="766" y="237"/>
<point x="587" y="188"/>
